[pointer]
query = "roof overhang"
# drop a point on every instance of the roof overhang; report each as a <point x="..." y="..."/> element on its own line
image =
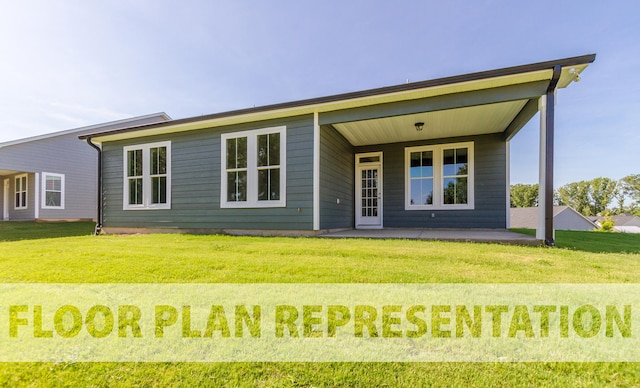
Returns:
<point x="9" y="172"/>
<point x="87" y="130"/>
<point x="496" y="101"/>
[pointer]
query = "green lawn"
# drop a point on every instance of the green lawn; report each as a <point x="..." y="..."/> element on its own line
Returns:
<point x="13" y="231"/>
<point x="594" y="242"/>
<point x="581" y="257"/>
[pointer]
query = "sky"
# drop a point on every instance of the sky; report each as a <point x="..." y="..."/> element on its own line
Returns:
<point x="71" y="63"/>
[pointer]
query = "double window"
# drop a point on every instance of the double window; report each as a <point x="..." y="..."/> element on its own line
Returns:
<point x="147" y="176"/>
<point x="53" y="188"/>
<point x="439" y="177"/>
<point x="253" y="168"/>
<point x="20" y="192"/>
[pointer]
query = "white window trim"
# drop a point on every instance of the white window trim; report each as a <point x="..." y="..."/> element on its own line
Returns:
<point x="26" y="190"/>
<point x="438" y="177"/>
<point x="44" y="190"/>
<point x="146" y="177"/>
<point x="252" y="169"/>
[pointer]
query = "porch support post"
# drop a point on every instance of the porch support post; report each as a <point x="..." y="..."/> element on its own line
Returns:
<point x="508" y="188"/>
<point x="545" y="229"/>
<point x="316" y="172"/>
<point x="36" y="196"/>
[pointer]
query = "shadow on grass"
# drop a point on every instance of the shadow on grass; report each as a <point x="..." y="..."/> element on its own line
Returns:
<point x="14" y="231"/>
<point x="596" y="242"/>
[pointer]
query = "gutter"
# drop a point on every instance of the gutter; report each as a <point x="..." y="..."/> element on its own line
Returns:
<point x="98" y="228"/>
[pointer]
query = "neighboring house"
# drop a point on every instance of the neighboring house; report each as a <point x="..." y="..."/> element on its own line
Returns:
<point x="431" y="154"/>
<point x="625" y="223"/>
<point x="54" y="176"/>
<point x="564" y="218"/>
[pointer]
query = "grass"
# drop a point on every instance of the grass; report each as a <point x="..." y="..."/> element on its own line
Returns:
<point x="227" y="259"/>
<point x="321" y="374"/>
<point x="600" y="242"/>
<point x="14" y="231"/>
<point x="581" y="257"/>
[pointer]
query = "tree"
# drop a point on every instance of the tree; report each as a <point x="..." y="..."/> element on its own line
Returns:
<point x="524" y="195"/>
<point x="628" y="192"/>
<point x="606" y="225"/>
<point x="619" y="199"/>
<point x="631" y="186"/>
<point x="602" y="191"/>
<point x="576" y="195"/>
<point x="589" y="197"/>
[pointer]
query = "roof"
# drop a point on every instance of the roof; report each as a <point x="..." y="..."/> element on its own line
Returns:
<point x="627" y="229"/>
<point x="160" y="116"/>
<point x="622" y="220"/>
<point x="527" y="217"/>
<point x="537" y="76"/>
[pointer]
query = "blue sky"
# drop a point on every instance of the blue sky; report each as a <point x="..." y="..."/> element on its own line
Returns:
<point x="71" y="63"/>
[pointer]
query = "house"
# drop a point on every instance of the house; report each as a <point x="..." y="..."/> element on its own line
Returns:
<point x="53" y="177"/>
<point x="564" y="218"/>
<point x="625" y="223"/>
<point x="430" y="154"/>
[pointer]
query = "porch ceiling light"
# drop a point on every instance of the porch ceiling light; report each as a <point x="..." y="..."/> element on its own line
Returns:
<point x="419" y="126"/>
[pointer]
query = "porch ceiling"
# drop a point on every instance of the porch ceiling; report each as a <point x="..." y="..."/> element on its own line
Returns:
<point x="466" y="121"/>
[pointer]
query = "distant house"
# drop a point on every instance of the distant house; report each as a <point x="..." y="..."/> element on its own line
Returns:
<point x="564" y="218"/>
<point x="54" y="176"/>
<point x="428" y="154"/>
<point x="625" y="223"/>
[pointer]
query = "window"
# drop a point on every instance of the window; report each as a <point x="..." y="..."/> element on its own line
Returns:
<point x="254" y="168"/>
<point x="439" y="177"/>
<point x="455" y="176"/>
<point x="237" y="169"/>
<point x="421" y="176"/>
<point x="147" y="176"/>
<point x="53" y="188"/>
<point x="21" y="192"/>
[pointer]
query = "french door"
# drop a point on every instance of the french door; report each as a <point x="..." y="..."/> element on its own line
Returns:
<point x="369" y="190"/>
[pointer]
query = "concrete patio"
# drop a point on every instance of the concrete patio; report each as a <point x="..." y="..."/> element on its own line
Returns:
<point x="501" y="236"/>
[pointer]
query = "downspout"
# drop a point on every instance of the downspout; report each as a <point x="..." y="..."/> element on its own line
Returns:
<point x="99" y="216"/>
<point x="549" y="145"/>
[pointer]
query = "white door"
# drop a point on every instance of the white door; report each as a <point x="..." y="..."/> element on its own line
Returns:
<point x="369" y="190"/>
<point x="6" y="199"/>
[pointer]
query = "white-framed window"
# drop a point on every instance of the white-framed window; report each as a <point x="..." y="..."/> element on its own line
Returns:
<point x="21" y="191"/>
<point x="147" y="176"/>
<point x="439" y="177"/>
<point x="254" y="168"/>
<point x="53" y="190"/>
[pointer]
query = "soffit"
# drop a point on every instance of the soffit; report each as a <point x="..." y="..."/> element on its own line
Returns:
<point x="8" y="172"/>
<point x="467" y="121"/>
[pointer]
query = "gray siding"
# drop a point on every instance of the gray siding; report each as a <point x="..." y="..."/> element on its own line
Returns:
<point x="568" y="219"/>
<point x="490" y="187"/>
<point x="196" y="164"/>
<point x="337" y="166"/>
<point x="62" y="155"/>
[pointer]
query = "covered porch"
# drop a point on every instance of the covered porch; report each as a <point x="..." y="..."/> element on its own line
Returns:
<point x="14" y="197"/>
<point x="430" y="160"/>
